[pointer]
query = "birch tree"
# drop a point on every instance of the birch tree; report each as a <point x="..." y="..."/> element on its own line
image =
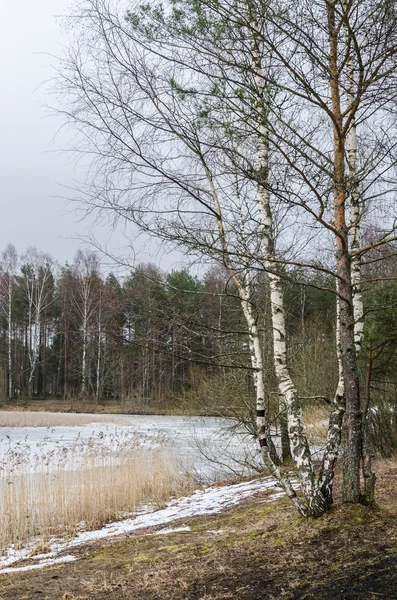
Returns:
<point x="216" y="125"/>
<point x="9" y="268"/>
<point x="351" y="73"/>
<point x="186" y="122"/>
<point x="37" y="276"/>
<point x="86" y="302"/>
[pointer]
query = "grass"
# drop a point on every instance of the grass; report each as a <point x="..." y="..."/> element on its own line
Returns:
<point x="316" y="421"/>
<point x="44" y="419"/>
<point x="55" y="492"/>
<point x="86" y="405"/>
<point x="254" y="551"/>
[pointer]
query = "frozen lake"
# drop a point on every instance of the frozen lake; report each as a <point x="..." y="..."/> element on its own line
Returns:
<point x="201" y="444"/>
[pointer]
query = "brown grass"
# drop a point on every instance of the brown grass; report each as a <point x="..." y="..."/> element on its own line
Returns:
<point x="316" y="422"/>
<point x="78" y="405"/>
<point x="47" y="419"/>
<point x="58" y="499"/>
<point x="261" y="551"/>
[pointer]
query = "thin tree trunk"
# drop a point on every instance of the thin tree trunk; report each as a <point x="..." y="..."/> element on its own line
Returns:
<point x="98" y="366"/>
<point x="299" y="445"/>
<point x="84" y="353"/>
<point x="44" y="366"/>
<point x="266" y="444"/>
<point x="9" y="318"/>
<point x="355" y="265"/>
<point x="65" y="350"/>
<point x="353" y="424"/>
<point x="334" y="436"/>
<point x="262" y="418"/>
<point x="369" y="475"/>
<point x="355" y="211"/>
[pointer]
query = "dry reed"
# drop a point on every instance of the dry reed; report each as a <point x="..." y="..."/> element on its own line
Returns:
<point x="43" y="419"/>
<point x="81" y="487"/>
<point x="316" y="422"/>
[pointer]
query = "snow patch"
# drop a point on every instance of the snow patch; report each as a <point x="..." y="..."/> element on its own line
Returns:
<point x="172" y="530"/>
<point x="210" y="501"/>
<point x="43" y="563"/>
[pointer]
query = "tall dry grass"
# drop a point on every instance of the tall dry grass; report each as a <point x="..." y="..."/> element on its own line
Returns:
<point x="81" y="488"/>
<point x="43" y="419"/>
<point x="316" y="421"/>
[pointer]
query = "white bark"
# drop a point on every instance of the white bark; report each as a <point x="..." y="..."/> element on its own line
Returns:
<point x="356" y="211"/>
<point x="298" y="440"/>
<point x="9" y="336"/>
<point x="85" y="303"/>
<point x="262" y="422"/>
<point x="84" y="328"/>
<point x="355" y="208"/>
<point x="37" y="273"/>
<point x="331" y="450"/>
<point x="98" y="364"/>
<point x="9" y="265"/>
<point x="256" y="362"/>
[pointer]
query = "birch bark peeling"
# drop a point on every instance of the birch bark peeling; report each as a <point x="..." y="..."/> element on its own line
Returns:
<point x="334" y="435"/>
<point x="298" y="440"/>
<point x="355" y="210"/>
<point x="262" y="419"/>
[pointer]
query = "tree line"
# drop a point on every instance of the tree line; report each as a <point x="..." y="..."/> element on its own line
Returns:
<point x="72" y="332"/>
<point x="153" y="339"/>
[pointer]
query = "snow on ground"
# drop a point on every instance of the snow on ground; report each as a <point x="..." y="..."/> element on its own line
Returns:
<point x="172" y="530"/>
<point x="210" y="500"/>
<point x="40" y="565"/>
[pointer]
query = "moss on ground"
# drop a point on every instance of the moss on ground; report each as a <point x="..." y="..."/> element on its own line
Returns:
<point x="257" y="550"/>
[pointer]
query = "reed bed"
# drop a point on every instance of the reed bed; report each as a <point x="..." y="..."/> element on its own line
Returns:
<point x="316" y="421"/>
<point x="43" y="419"/>
<point x="62" y="490"/>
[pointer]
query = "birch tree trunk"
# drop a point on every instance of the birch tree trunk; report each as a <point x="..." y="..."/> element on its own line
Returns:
<point x="98" y="365"/>
<point x="298" y="441"/>
<point x="355" y="211"/>
<point x="263" y="197"/>
<point x="84" y="347"/>
<point x="353" y="424"/>
<point x="30" y="336"/>
<point x="269" y="453"/>
<point x="355" y="262"/>
<point x="369" y="475"/>
<point x="262" y="419"/>
<point x="85" y="302"/>
<point x="9" y="263"/>
<point x="334" y="436"/>
<point x="9" y="336"/>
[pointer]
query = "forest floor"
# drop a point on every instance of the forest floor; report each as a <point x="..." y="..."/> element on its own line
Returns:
<point x="255" y="550"/>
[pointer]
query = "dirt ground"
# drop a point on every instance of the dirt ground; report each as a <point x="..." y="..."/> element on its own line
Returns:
<point x="254" y="551"/>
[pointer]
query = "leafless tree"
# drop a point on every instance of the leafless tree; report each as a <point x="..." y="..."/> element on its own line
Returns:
<point x="85" y="303"/>
<point x="9" y="266"/>
<point x="37" y="273"/>
<point x="230" y="129"/>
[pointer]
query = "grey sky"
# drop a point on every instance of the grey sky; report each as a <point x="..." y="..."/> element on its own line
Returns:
<point x="32" y="172"/>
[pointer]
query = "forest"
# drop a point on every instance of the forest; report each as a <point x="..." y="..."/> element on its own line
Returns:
<point x="173" y="341"/>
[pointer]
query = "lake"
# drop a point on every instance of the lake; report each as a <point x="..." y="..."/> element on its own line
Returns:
<point x="203" y="445"/>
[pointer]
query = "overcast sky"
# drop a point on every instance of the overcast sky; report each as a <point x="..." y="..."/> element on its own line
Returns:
<point x="32" y="171"/>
